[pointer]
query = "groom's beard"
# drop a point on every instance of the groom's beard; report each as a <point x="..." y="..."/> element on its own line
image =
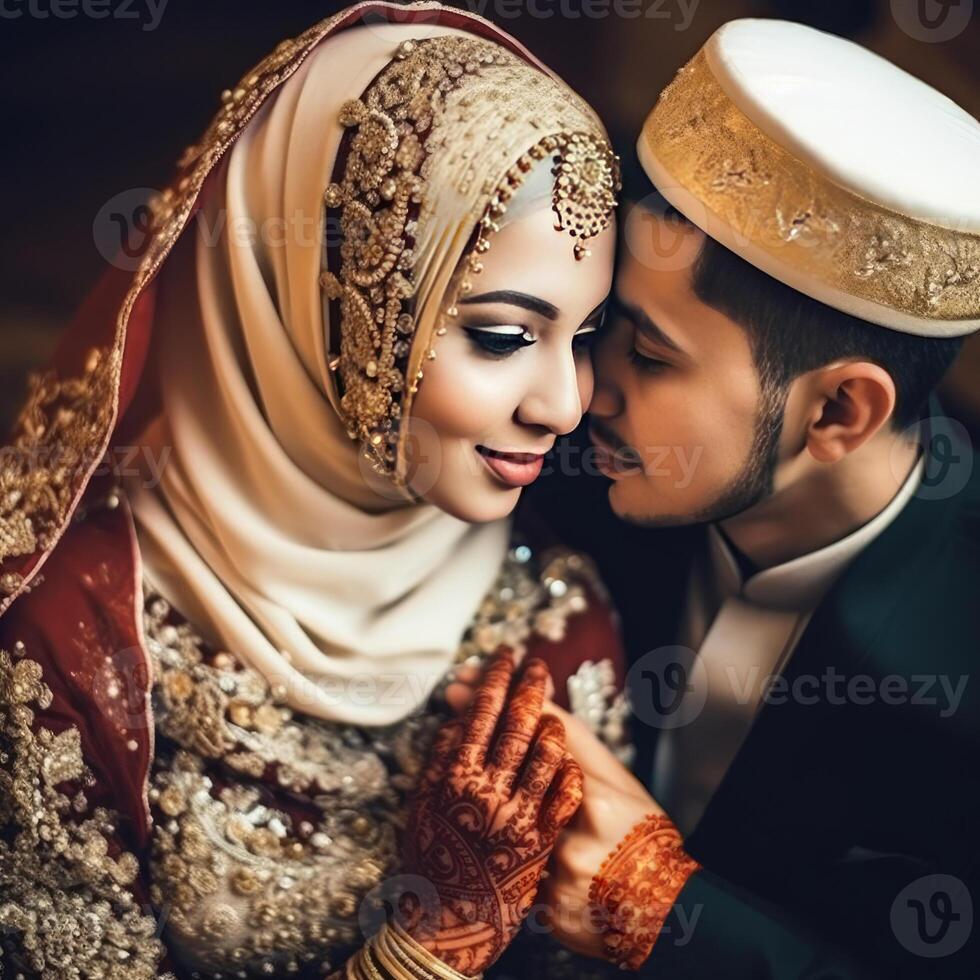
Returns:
<point x="754" y="481"/>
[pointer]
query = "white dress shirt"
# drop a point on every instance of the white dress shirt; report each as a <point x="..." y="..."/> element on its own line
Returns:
<point x="744" y="633"/>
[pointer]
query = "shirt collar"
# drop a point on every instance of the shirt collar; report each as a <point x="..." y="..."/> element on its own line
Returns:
<point x="801" y="583"/>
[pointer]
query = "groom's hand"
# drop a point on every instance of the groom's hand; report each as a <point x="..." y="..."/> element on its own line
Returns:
<point x="614" y="802"/>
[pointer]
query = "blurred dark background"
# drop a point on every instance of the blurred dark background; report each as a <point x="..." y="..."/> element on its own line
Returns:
<point x="100" y="96"/>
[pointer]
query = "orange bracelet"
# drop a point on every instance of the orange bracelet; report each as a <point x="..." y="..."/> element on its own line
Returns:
<point x="636" y="887"/>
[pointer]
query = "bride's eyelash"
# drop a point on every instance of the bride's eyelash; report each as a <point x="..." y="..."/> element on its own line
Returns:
<point x="500" y="341"/>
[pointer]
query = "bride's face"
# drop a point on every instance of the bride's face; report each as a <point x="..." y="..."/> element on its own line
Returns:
<point x="512" y="372"/>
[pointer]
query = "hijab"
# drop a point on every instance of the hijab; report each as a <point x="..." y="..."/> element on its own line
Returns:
<point x="269" y="527"/>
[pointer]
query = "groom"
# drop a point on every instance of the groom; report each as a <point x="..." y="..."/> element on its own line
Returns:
<point x="799" y="571"/>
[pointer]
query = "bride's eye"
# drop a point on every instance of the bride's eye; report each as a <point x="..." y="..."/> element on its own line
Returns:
<point x="500" y="340"/>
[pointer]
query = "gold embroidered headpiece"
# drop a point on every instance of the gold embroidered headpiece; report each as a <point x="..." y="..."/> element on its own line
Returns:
<point x="830" y="169"/>
<point x="436" y="147"/>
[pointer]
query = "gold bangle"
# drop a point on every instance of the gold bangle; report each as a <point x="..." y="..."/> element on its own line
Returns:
<point x="349" y="971"/>
<point x="395" y="960"/>
<point x="361" y="966"/>
<point x="372" y="969"/>
<point x="424" y="957"/>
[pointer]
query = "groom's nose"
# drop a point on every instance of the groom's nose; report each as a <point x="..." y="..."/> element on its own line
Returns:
<point x="607" y="401"/>
<point x="607" y="396"/>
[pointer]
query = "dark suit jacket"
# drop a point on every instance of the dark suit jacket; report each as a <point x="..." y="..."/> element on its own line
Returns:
<point x="843" y="840"/>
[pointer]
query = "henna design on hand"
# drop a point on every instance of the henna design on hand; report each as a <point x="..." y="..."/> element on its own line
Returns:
<point x="636" y="887"/>
<point x="486" y="816"/>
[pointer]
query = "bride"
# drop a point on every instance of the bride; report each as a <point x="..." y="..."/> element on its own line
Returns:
<point x="258" y="512"/>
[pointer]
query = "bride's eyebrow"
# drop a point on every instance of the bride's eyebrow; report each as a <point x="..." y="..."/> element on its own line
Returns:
<point x="510" y="298"/>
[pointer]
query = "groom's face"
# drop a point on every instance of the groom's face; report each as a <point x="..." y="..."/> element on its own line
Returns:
<point x="677" y="416"/>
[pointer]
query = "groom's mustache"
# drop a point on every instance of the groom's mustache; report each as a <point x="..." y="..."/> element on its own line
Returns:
<point x="602" y="435"/>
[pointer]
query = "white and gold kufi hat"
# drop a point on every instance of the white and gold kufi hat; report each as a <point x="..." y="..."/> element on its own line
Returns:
<point x="830" y="169"/>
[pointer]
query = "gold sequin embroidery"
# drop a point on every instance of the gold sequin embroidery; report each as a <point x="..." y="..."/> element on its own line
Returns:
<point x="63" y="899"/>
<point x="248" y="886"/>
<point x="58" y="434"/>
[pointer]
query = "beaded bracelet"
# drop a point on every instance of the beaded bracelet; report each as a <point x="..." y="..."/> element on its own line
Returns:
<point x="636" y="887"/>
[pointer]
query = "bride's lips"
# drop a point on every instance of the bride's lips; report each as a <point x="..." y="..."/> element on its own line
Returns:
<point x="514" y="469"/>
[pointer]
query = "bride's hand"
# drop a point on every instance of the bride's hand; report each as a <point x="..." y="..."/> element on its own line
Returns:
<point x="614" y="801"/>
<point x="487" y="814"/>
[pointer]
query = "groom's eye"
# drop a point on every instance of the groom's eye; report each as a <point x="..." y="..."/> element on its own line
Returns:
<point x="500" y="340"/>
<point x="646" y="364"/>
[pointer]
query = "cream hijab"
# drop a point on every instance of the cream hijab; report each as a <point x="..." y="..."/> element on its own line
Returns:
<point x="262" y="529"/>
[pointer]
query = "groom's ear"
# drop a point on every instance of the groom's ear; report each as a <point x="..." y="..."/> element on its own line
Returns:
<point x="844" y="405"/>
